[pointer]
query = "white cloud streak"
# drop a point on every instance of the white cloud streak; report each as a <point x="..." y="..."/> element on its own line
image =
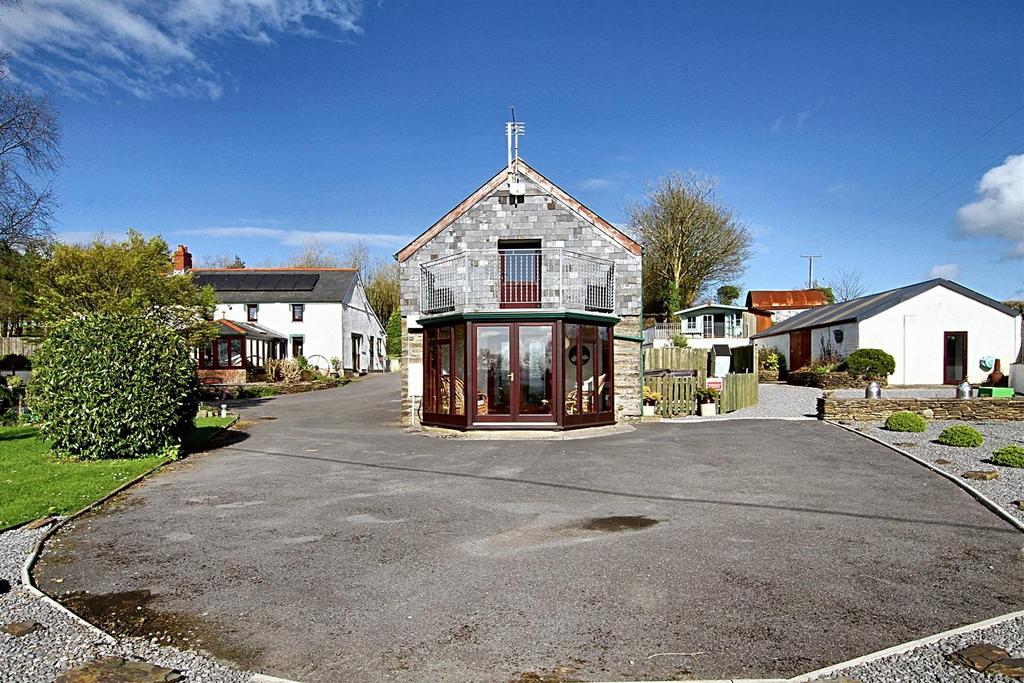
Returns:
<point x="87" y="48"/>
<point x="999" y="212"/>
<point x="945" y="270"/>
<point x="296" y="238"/>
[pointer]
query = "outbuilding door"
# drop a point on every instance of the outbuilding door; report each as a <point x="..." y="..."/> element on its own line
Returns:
<point x="954" y="362"/>
<point x="799" y="349"/>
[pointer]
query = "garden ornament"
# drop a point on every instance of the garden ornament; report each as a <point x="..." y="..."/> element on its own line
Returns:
<point x="873" y="391"/>
<point x="963" y="390"/>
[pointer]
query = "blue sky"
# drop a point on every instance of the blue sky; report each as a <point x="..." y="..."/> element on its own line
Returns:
<point x="243" y="127"/>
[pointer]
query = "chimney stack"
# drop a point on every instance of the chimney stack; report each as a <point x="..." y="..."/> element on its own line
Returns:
<point x="182" y="260"/>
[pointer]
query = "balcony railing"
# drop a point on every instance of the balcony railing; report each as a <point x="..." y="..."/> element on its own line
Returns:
<point x="476" y="280"/>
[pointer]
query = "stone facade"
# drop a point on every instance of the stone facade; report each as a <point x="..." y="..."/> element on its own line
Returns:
<point x="830" y="380"/>
<point x="541" y="216"/>
<point x="872" y="410"/>
<point x="236" y="376"/>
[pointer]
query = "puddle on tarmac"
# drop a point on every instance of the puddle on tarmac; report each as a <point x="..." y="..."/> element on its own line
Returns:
<point x="616" y="523"/>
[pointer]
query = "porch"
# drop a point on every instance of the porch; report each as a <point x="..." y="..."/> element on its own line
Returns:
<point x="237" y="348"/>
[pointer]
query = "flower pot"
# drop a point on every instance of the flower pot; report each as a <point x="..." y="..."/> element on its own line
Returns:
<point x="648" y="411"/>
<point x="707" y="409"/>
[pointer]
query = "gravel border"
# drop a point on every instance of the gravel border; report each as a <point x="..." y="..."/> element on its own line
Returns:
<point x="1003" y="490"/>
<point x="66" y="642"/>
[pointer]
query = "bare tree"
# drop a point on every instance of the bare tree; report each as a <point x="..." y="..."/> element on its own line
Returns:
<point x="222" y="261"/>
<point x="29" y="151"/>
<point x="691" y="241"/>
<point x="314" y="253"/>
<point x="357" y="256"/>
<point x="847" y="285"/>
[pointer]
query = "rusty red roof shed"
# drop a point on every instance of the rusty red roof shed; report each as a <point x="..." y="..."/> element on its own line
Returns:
<point x="785" y="299"/>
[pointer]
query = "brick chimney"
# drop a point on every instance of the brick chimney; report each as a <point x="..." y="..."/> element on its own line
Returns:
<point x="182" y="259"/>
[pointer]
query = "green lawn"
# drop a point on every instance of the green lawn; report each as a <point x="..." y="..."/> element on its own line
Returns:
<point x="34" y="484"/>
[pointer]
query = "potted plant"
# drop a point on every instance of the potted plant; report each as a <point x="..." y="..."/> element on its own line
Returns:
<point x="706" y="401"/>
<point x="651" y="399"/>
<point x="336" y="367"/>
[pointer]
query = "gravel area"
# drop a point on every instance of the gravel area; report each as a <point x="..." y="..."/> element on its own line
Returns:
<point x="926" y="664"/>
<point x="64" y="642"/>
<point x="774" y="400"/>
<point x="1004" y="490"/>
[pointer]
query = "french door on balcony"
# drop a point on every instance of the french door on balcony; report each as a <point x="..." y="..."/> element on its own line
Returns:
<point x="520" y="277"/>
<point x="514" y="372"/>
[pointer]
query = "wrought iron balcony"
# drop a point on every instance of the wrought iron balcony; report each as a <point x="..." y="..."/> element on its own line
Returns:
<point x="482" y="280"/>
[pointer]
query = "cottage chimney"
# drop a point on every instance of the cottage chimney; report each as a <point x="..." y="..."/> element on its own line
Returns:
<point x="182" y="259"/>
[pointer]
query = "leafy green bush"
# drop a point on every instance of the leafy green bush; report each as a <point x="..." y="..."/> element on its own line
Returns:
<point x="905" y="421"/>
<point x="679" y="341"/>
<point x="257" y="392"/>
<point x="114" y="385"/>
<point x="1009" y="456"/>
<point x="394" y="332"/>
<point x="870" y="363"/>
<point x="961" y="435"/>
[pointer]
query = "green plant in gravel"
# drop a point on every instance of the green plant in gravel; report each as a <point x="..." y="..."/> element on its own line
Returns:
<point x="962" y="436"/>
<point x="114" y="385"/>
<point x="870" y="363"/>
<point x="905" y="421"/>
<point x="1009" y="456"/>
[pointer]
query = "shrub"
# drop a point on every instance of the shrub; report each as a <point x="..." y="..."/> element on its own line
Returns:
<point x="394" y="332"/>
<point x="905" y="421"/>
<point x="114" y="385"/>
<point x="679" y="341"/>
<point x="769" y="360"/>
<point x="257" y="392"/>
<point x="1009" y="456"/>
<point x="961" y="435"/>
<point x="871" y="363"/>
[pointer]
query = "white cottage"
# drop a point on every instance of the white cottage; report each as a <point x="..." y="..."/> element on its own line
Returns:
<point x="317" y="313"/>
<point x="937" y="331"/>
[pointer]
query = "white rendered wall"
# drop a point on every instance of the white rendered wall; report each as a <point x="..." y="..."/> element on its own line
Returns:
<point x="779" y="342"/>
<point x="850" y="334"/>
<point x="913" y="332"/>
<point x="360" y="319"/>
<point x="320" y="327"/>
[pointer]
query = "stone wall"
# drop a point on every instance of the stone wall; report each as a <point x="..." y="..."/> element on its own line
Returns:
<point x="871" y="410"/>
<point x="236" y="376"/>
<point x="627" y="370"/>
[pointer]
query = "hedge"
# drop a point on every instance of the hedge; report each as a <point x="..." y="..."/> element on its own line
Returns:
<point x="111" y="385"/>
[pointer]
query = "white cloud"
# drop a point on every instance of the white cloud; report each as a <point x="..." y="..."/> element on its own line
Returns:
<point x="597" y="184"/>
<point x="93" y="47"/>
<point x="838" y="188"/>
<point x="777" y="124"/>
<point x="1000" y="210"/>
<point x="806" y="114"/>
<point x="945" y="270"/>
<point x="295" y="238"/>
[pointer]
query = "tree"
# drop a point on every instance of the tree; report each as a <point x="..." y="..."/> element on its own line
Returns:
<point x="18" y="282"/>
<point x="847" y="285"/>
<point x="222" y="261"/>
<point x="314" y="253"/>
<point x="29" y="152"/>
<point x="691" y="241"/>
<point x="394" y="332"/>
<point x="357" y="256"/>
<point x="383" y="290"/>
<point x="830" y="296"/>
<point x="131" y="277"/>
<point x="727" y="294"/>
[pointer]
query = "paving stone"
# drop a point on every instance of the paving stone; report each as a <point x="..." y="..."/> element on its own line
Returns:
<point x="41" y="522"/>
<point x="117" y="670"/>
<point x="1013" y="667"/>
<point x="979" y="656"/>
<point x="22" y="628"/>
<point x="981" y="475"/>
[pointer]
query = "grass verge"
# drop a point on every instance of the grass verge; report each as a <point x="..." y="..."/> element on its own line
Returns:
<point x="33" y="483"/>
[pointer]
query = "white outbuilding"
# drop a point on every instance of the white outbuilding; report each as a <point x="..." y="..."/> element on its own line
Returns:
<point x="939" y="332"/>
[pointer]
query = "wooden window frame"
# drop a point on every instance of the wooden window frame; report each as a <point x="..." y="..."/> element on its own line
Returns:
<point x="301" y="309"/>
<point x="252" y="313"/>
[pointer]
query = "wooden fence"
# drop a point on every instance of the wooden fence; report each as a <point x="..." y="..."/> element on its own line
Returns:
<point x="744" y="359"/>
<point x="22" y="346"/>
<point x="678" y="359"/>
<point x="678" y="395"/>
<point x="739" y="390"/>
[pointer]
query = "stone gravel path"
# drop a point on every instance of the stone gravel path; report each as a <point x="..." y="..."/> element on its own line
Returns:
<point x="1004" y="490"/>
<point x="774" y="401"/>
<point x="64" y="642"/>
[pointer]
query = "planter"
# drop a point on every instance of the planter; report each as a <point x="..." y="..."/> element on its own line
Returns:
<point x="648" y="411"/>
<point x="708" y="409"/>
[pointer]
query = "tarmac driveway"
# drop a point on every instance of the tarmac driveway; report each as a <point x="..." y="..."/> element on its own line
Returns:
<point x="329" y="545"/>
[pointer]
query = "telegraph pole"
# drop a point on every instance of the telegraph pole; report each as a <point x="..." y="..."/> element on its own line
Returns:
<point x="810" y="269"/>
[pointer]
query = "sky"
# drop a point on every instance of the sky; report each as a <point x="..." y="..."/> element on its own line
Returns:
<point x="888" y="138"/>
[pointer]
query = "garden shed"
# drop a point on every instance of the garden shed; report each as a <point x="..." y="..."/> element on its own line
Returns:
<point x="938" y="331"/>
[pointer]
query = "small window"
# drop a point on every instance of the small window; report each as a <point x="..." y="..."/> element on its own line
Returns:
<point x="252" y="312"/>
<point x="691" y="323"/>
<point x="297" y="311"/>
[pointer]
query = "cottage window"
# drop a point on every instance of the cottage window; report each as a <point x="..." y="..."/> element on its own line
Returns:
<point x="252" y="312"/>
<point x="709" y="326"/>
<point x="691" y="323"/>
<point x="298" y="310"/>
<point x="297" y="346"/>
<point x="223" y="354"/>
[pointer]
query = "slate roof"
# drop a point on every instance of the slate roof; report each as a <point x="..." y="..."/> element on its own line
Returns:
<point x="785" y="299"/>
<point x="865" y="307"/>
<point x="278" y="285"/>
